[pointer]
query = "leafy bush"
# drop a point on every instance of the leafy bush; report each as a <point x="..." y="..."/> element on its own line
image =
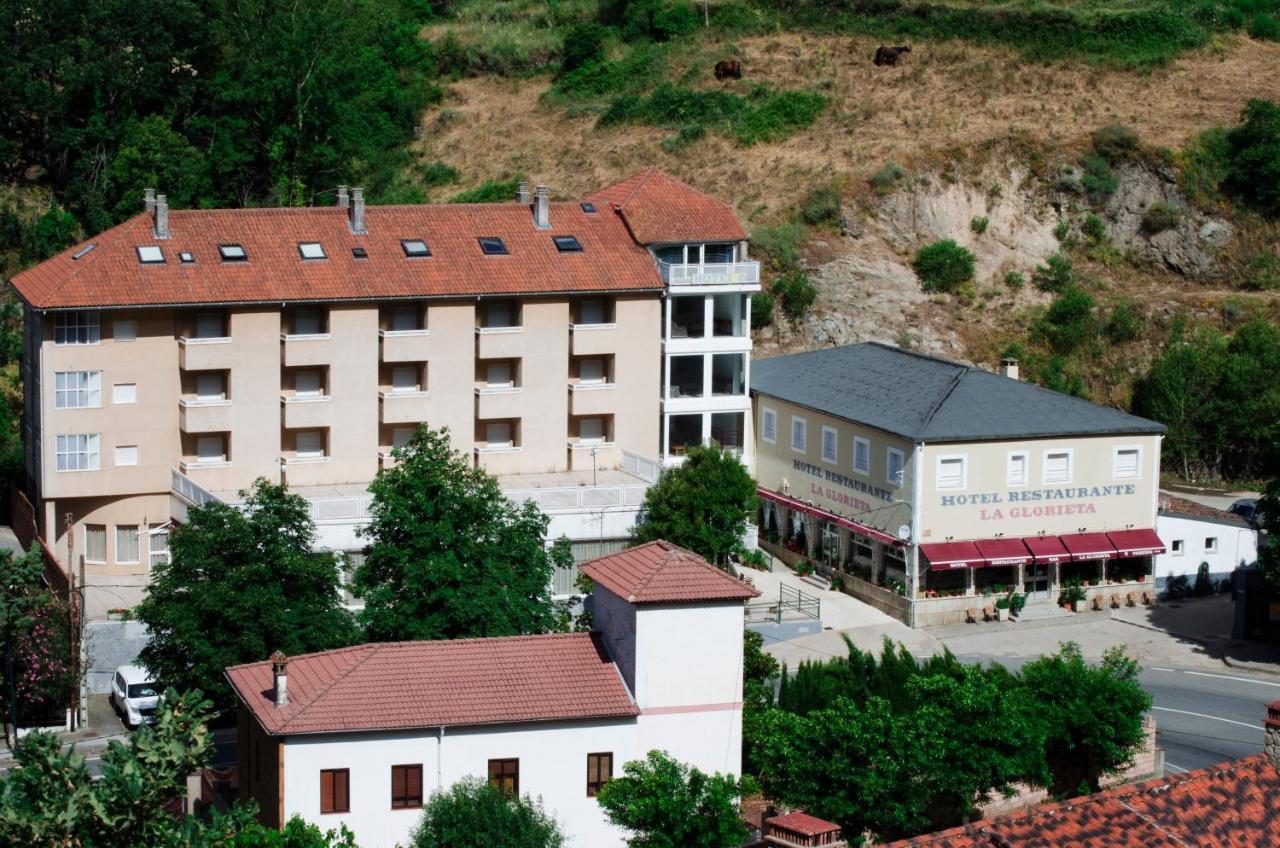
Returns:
<point x="583" y="45"/>
<point x="1072" y="591"/>
<point x="888" y="178"/>
<point x="1093" y="228"/>
<point x="1061" y="230"/>
<point x="1015" y="280"/>
<point x="1254" y="150"/>
<point x="794" y="293"/>
<point x="438" y="174"/>
<point x="638" y="70"/>
<point x="1263" y="273"/>
<point x="761" y="310"/>
<point x="763" y="115"/>
<point x="1205" y="164"/>
<point x="1124" y="323"/>
<point x="490" y="191"/>
<point x="1115" y="142"/>
<point x="1098" y="181"/>
<point x="779" y="245"/>
<point x="943" y="266"/>
<point x="821" y="206"/>
<point x="1161" y="216"/>
<point x="1265" y="27"/>
<point x="1069" y="322"/>
<point x="657" y="20"/>
<point x="1055" y="275"/>
<point x="978" y="224"/>
<point x="687" y="136"/>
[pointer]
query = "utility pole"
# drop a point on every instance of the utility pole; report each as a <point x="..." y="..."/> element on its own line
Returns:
<point x="75" y="620"/>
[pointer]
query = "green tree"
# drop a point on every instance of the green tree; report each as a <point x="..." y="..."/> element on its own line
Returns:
<point x="449" y="556"/>
<point x="475" y="814"/>
<point x="1069" y="323"/>
<point x="1091" y="715"/>
<point x="664" y="803"/>
<point x="154" y="155"/>
<point x="1254" y="171"/>
<point x="21" y="595"/>
<point x="1269" y="549"/>
<point x="701" y="504"/>
<point x="296" y="833"/>
<point x="943" y="266"/>
<point x="241" y="583"/>
<point x="794" y="292"/>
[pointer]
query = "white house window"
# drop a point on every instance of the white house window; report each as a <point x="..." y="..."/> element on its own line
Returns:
<point x="591" y="371"/>
<point x="307" y="322"/>
<point x="211" y="449"/>
<point x="310" y="444"/>
<point x="126" y="454"/>
<point x="404" y="378"/>
<point x="1176" y="547"/>
<point x="829" y="438"/>
<point x="77" y="452"/>
<point x="80" y="327"/>
<point x="798" y="428"/>
<point x="497" y="434"/>
<point x="1211" y="545"/>
<point x="401" y="436"/>
<point x="77" y="389"/>
<point x="894" y="461"/>
<point x="861" y="455"/>
<point x="210" y="387"/>
<point x="1016" y="473"/>
<point x="952" y="472"/>
<point x="209" y="325"/>
<point x="1126" y="463"/>
<point x="158" y="544"/>
<point x="591" y="312"/>
<point x="404" y="318"/>
<point x="591" y="430"/>
<point x="127" y="544"/>
<point x="95" y="543"/>
<point x="769" y="425"/>
<point x="124" y="393"/>
<point x="497" y="375"/>
<point x="308" y="384"/>
<point x="1057" y="466"/>
<point x="124" y="330"/>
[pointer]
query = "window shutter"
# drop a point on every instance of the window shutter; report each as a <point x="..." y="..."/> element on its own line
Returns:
<point x="413" y="781"/>
<point x="326" y="791"/>
<point x="1126" y="463"/>
<point x="341" y="790"/>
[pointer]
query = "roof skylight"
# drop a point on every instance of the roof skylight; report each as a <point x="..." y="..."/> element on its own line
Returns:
<point x="415" y="247"/>
<point x="587" y="206"/>
<point x="233" y="253"/>
<point x="187" y="257"/>
<point x="493" y="246"/>
<point x="150" y="254"/>
<point x="567" y="244"/>
<point x="311" y="250"/>
<point x="84" y="251"/>
<point x="359" y="253"/>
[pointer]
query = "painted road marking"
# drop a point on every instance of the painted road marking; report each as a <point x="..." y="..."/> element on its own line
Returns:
<point x="1178" y="769"/>
<point x="1237" y="679"/>
<point x="1255" y="726"/>
<point x="1158" y="668"/>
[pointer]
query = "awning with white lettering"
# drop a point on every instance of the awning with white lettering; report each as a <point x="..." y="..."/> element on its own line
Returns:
<point x="1135" y="543"/>
<point x="1046" y="549"/>
<point x="944" y="556"/>
<point x="1001" y="552"/>
<point x="1083" y="546"/>
<point x="825" y="515"/>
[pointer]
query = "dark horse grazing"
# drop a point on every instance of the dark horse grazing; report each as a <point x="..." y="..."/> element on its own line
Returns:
<point x="731" y="69"/>
<point x="889" y="55"/>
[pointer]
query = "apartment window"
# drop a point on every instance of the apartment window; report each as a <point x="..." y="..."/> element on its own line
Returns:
<point x="798" y="428"/>
<point x="158" y="544"/>
<point x="592" y="311"/>
<point x="311" y="250"/>
<point x="127" y="544"/>
<point x="1016" y="472"/>
<point x="210" y="449"/>
<point x="77" y="452"/>
<point x="1176" y="547"/>
<point x="310" y="444"/>
<point x="728" y="374"/>
<point x="591" y="371"/>
<point x="335" y="790"/>
<point x="209" y="325"/>
<point x="492" y="246"/>
<point x="497" y="434"/>
<point x="401" y="436"/>
<point x="404" y="378"/>
<point x="308" y="321"/>
<point x="406" y="787"/>
<point x="150" y="254"/>
<point x="308" y="384"/>
<point x="77" y="389"/>
<point x="599" y="772"/>
<point x="591" y="430"/>
<point x="1211" y="545"/>
<point x="1057" y="466"/>
<point x="894" y="461"/>
<point x="126" y="454"/>
<point x="124" y="330"/>
<point x="499" y="313"/>
<point x="952" y="472"/>
<point x="497" y="375"/>
<point x="95" y="543"/>
<point x="769" y="425"/>
<point x="1126" y="463"/>
<point x="717" y="253"/>
<point x="505" y="774"/>
<point x="210" y="387"/>
<point x="829" y="437"/>
<point x="861" y="455"/>
<point x="124" y="393"/>
<point x="686" y="376"/>
<point x="405" y="318"/>
<point x="76" y="328"/>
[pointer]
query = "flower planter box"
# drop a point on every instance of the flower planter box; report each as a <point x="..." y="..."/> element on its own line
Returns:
<point x="1078" y="606"/>
<point x="1002" y="613"/>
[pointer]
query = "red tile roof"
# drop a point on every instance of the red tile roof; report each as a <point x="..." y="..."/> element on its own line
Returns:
<point x="802" y="823"/>
<point x="111" y="275"/>
<point x="1181" y="506"/>
<point x="662" y="573"/>
<point x="400" y="685"/>
<point x="1233" y="805"/>
<point x="658" y="208"/>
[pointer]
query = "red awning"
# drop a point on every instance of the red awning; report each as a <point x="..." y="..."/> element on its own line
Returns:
<point x="1003" y="551"/>
<point x="1135" y="543"/>
<point x="1046" y="549"/>
<point x="1089" y="546"/>
<point x="809" y="509"/>
<point x="947" y="555"/>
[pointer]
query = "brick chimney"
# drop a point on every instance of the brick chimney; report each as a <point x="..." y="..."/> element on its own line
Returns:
<point x="1271" y="743"/>
<point x="344" y="199"/>
<point x="522" y="193"/>
<point x="541" y="208"/>
<point x="149" y="201"/>
<point x="162" y="217"/>
<point x="1009" y="368"/>
<point x="357" y="211"/>
<point x="280" y="679"/>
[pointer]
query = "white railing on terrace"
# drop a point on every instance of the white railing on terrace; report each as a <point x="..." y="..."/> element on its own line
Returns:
<point x="641" y="466"/>
<point x="558" y="498"/>
<point x="189" y="490"/>
<point x="710" y="274"/>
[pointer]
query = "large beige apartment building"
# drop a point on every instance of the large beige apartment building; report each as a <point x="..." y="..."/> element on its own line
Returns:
<point x="571" y="348"/>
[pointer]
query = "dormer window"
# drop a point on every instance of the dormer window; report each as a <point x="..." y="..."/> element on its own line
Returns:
<point x="493" y="246"/>
<point x="567" y="244"/>
<point x="414" y="248"/>
<point x="311" y="250"/>
<point x="150" y="254"/>
<point x="187" y="257"/>
<point x="588" y="207"/>
<point x="232" y="253"/>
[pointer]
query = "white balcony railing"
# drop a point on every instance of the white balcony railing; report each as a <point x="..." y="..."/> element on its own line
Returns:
<point x="710" y="274"/>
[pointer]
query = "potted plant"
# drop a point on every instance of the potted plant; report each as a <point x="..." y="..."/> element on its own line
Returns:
<point x="1072" y="594"/>
<point x="1002" y="608"/>
<point x="1017" y="601"/>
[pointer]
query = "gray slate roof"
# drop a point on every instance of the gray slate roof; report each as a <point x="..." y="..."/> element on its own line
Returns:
<point x="928" y="399"/>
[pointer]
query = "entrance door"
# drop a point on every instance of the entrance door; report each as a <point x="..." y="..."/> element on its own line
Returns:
<point x="1035" y="578"/>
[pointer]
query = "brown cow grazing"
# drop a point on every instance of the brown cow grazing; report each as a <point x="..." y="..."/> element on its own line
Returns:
<point x="889" y="55"/>
<point x="731" y="69"/>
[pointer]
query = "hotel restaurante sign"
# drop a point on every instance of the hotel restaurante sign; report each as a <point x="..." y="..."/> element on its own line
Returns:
<point x="1038" y="503"/>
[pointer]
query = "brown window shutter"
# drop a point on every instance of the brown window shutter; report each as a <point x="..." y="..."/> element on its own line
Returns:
<point x="326" y="792"/>
<point x="415" y="785"/>
<point x="341" y="791"/>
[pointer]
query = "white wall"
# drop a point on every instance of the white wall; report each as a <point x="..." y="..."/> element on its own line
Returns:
<point x="688" y="654"/>
<point x="710" y="740"/>
<point x="1236" y="546"/>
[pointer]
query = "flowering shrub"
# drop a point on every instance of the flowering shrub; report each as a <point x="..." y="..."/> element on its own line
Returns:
<point x="42" y="664"/>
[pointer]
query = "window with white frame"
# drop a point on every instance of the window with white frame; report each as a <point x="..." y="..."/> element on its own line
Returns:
<point x="308" y="321"/>
<point x="1176" y="547"/>
<point x="861" y="455"/>
<point x="497" y="375"/>
<point x="591" y="430"/>
<point x="80" y="327"/>
<point x="497" y="434"/>
<point x="769" y="425"/>
<point x="211" y="449"/>
<point x="77" y="452"/>
<point x="1057" y="466"/>
<point x="591" y="372"/>
<point x="894" y="463"/>
<point x="127" y="544"/>
<point x="799" y="428"/>
<point x="210" y="386"/>
<point x="95" y="543"/>
<point x="404" y="319"/>
<point x="308" y="384"/>
<point x="404" y="378"/>
<point x="209" y="325"/>
<point x="124" y="330"/>
<point x="126" y="454"/>
<point x="77" y="389"/>
<point x="829" y="440"/>
<point x="952" y="472"/>
<point x="1017" y="472"/>
<point x="1211" y="544"/>
<point x="310" y="444"/>
<point x="124" y="393"/>
<point x="158" y="544"/>
<point x="1126" y="463"/>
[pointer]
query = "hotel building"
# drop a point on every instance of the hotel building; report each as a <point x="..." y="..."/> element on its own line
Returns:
<point x="571" y="348"/>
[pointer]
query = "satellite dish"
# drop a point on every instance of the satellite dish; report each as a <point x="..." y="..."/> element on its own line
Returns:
<point x="904" y="531"/>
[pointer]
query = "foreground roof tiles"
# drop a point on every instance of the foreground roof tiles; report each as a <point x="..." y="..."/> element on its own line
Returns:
<point x="402" y="685"/>
<point x="662" y="573"/>
<point x="1229" y="806"/>
<point x="658" y="208"/>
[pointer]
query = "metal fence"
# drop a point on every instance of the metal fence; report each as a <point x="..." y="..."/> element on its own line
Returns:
<point x="792" y="604"/>
<point x="189" y="490"/>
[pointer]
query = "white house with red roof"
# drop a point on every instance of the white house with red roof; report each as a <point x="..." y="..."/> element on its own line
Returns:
<point x="361" y="736"/>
